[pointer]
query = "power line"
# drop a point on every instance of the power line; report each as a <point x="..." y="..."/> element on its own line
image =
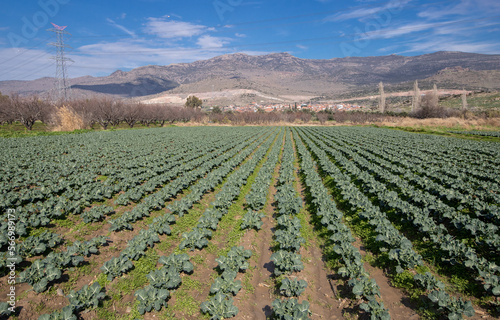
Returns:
<point x="25" y="50"/>
<point x="345" y="36"/>
<point x="61" y="59"/>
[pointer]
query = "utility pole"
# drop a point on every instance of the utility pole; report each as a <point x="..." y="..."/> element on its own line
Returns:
<point x="62" y="85"/>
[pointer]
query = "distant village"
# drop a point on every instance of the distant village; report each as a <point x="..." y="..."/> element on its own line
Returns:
<point x="316" y="107"/>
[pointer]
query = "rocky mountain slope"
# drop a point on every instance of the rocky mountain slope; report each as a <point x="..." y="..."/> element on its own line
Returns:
<point x="279" y="74"/>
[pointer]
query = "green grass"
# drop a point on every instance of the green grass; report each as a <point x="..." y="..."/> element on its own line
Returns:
<point x="482" y="101"/>
<point x="136" y="278"/>
<point x="17" y="130"/>
<point x="445" y="131"/>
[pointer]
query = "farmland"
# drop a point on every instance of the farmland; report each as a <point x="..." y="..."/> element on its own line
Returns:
<point x="250" y="222"/>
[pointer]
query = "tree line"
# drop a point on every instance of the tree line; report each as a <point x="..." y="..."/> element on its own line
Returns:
<point x="104" y="112"/>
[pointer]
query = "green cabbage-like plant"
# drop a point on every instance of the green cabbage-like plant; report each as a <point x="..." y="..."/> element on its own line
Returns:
<point x="39" y="274"/>
<point x="252" y="219"/>
<point x="116" y="267"/>
<point x="364" y="287"/>
<point x="195" y="239"/>
<point x="236" y="259"/>
<point x="87" y="297"/>
<point x="291" y="309"/>
<point x="120" y="224"/>
<point x="87" y="248"/>
<point x="35" y="245"/>
<point x="289" y="241"/>
<point x="292" y="287"/>
<point x="220" y="307"/>
<point x="4" y="309"/>
<point x="63" y="260"/>
<point x="165" y="278"/>
<point x="226" y="284"/>
<point x="161" y="224"/>
<point x="148" y="237"/>
<point x="376" y="310"/>
<point x="151" y="297"/>
<point x="180" y="262"/>
<point x="428" y="282"/>
<point x="454" y="307"/>
<point x="96" y="214"/>
<point x="67" y="313"/>
<point x="286" y="262"/>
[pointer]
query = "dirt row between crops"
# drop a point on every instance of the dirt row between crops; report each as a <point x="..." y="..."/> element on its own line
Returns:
<point x="32" y="304"/>
<point x="394" y="300"/>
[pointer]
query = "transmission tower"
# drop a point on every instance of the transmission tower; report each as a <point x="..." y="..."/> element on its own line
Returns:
<point x="62" y="84"/>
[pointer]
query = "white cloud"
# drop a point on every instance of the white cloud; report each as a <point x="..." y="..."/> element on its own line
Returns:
<point x="173" y="29"/>
<point x="302" y="47"/>
<point x="209" y="42"/>
<point x="124" y="29"/>
<point x="462" y="8"/>
<point x="368" y="11"/>
<point x="397" y="31"/>
<point x="25" y="64"/>
<point x="446" y="44"/>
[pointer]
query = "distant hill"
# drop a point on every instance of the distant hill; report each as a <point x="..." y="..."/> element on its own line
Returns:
<point x="279" y="75"/>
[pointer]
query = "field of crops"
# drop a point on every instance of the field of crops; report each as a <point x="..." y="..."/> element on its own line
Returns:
<point x="250" y="223"/>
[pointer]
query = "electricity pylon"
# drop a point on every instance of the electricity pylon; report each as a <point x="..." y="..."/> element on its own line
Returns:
<point x="62" y="85"/>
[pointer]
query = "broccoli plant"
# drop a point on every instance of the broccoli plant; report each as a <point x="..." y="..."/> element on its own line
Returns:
<point x="87" y="297"/>
<point x="292" y="287"/>
<point x="165" y="278"/>
<point x="376" y="310"/>
<point x="96" y="214"/>
<point x="285" y="262"/>
<point x="39" y="274"/>
<point x="151" y="297"/>
<point x="120" y="224"/>
<point x="252" y="219"/>
<point x="67" y="313"/>
<point x="290" y="241"/>
<point x="148" y="237"/>
<point x="285" y="222"/>
<point x="364" y="287"/>
<point x="63" y="259"/>
<point x="428" y="282"/>
<point x="195" y="239"/>
<point x="161" y="224"/>
<point x="208" y="222"/>
<point x="87" y="248"/>
<point x="180" y="262"/>
<point x="179" y="208"/>
<point x="116" y="267"/>
<point x="4" y="309"/>
<point x="291" y="309"/>
<point x="226" y="284"/>
<point x="220" y="307"/>
<point x="454" y="307"/>
<point x="35" y="245"/>
<point x="235" y="259"/>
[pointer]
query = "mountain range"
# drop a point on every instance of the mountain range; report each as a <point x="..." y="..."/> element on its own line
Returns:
<point x="239" y="77"/>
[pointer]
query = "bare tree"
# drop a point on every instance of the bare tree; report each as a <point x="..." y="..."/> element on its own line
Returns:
<point x="6" y="112"/>
<point x="322" y="117"/>
<point x="464" y="100"/>
<point x="104" y="111"/>
<point x="435" y="95"/>
<point x="131" y="113"/>
<point x="416" y="97"/>
<point x="381" y="103"/>
<point x="28" y="111"/>
<point x="84" y="108"/>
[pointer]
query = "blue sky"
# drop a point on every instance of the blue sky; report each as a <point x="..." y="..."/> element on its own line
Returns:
<point x="107" y="35"/>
